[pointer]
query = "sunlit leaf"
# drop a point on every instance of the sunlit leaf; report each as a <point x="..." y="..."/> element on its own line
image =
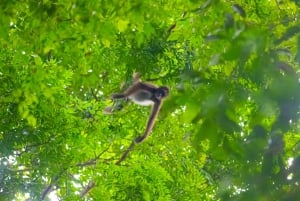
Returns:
<point x="122" y="25"/>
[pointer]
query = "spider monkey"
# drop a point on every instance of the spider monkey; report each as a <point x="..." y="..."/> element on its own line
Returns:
<point x="145" y="94"/>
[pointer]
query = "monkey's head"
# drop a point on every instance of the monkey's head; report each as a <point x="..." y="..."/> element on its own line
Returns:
<point x="162" y="92"/>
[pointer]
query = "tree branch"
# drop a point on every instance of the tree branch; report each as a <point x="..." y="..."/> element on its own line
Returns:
<point x="50" y="186"/>
<point x="87" y="189"/>
<point x="93" y="161"/>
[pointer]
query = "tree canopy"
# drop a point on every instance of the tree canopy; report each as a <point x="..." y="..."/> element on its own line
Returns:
<point x="230" y="129"/>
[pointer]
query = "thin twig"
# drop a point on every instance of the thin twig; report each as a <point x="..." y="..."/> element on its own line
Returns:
<point x="93" y="160"/>
<point x="94" y="95"/>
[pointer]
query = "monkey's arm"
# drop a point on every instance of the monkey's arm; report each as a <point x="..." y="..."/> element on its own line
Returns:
<point x="118" y="96"/>
<point x="134" y="88"/>
<point x="151" y="121"/>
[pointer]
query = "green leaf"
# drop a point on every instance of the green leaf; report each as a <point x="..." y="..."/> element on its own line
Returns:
<point x="290" y="32"/>
<point x="122" y="25"/>
<point x="237" y="8"/>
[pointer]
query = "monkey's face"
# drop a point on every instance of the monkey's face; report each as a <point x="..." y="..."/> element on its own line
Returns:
<point x="162" y="92"/>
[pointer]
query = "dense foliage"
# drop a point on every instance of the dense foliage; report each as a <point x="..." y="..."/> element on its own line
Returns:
<point x="229" y="131"/>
